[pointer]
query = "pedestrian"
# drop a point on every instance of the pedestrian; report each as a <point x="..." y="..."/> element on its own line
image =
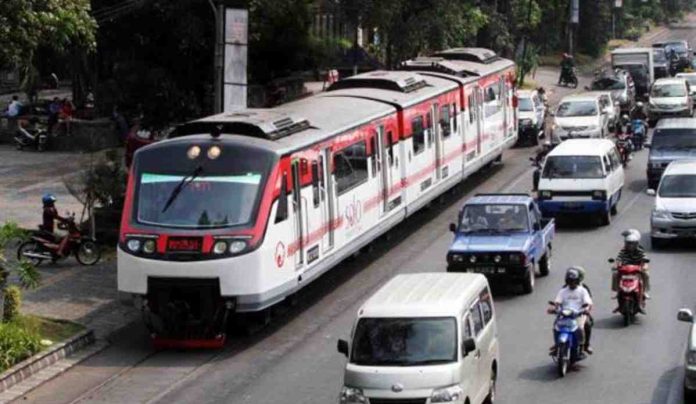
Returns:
<point x="53" y="113"/>
<point x="14" y="109"/>
<point x="67" y="111"/>
<point x="121" y="123"/>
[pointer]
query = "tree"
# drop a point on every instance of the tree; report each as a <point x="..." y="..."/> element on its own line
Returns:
<point x="63" y="26"/>
<point x="26" y="273"/>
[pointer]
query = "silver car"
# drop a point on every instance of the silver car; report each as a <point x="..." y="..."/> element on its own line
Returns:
<point x="690" y="356"/>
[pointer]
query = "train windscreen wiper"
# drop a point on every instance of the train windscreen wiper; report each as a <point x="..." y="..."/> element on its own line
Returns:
<point x="180" y="187"/>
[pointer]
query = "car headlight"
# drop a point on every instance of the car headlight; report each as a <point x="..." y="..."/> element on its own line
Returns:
<point x="237" y="246"/>
<point x="691" y="358"/>
<point x="515" y="258"/>
<point x="497" y="259"/>
<point x="660" y="214"/>
<point x="545" y="194"/>
<point x="601" y="195"/>
<point x="148" y="246"/>
<point x="219" y="247"/>
<point x="472" y="259"/>
<point x="133" y="245"/>
<point x="352" y="395"/>
<point x="447" y="394"/>
<point x="457" y="258"/>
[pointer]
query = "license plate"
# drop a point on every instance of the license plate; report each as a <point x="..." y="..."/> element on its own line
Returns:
<point x="488" y="270"/>
<point x="184" y="244"/>
<point x="571" y="204"/>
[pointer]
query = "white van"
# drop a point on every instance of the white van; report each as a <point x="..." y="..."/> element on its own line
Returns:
<point x="582" y="176"/>
<point x="423" y="338"/>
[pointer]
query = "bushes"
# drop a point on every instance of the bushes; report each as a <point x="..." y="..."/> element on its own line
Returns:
<point x="13" y="301"/>
<point x="17" y="342"/>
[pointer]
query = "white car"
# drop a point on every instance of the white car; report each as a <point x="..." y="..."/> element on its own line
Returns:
<point x="580" y="116"/>
<point x="674" y="214"/>
<point x="691" y="79"/>
<point x="690" y="357"/>
<point x="669" y="98"/>
<point x="531" y="116"/>
<point x="428" y="337"/>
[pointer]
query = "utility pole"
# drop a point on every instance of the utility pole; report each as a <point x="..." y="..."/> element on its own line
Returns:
<point x="218" y="62"/>
<point x="526" y="41"/>
<point x="574" y="20"/>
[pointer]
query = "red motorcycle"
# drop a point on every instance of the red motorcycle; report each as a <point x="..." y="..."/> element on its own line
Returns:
<point x="630" y="291"/>
<point x="625" y="146"/>
<point x="43" y="246"/>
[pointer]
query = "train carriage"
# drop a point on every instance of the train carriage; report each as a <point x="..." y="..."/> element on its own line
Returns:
<point x="240" y="210"/>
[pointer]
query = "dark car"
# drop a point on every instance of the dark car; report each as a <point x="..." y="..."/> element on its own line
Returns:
<point x="680" y="48"/>
<point x="620" y="84"/>
<point x="660" y="63"/>
<point x="673" y="139"/>
<point x="641" y="77"/>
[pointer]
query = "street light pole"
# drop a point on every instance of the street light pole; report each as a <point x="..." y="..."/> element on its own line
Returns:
<point x="218" y="62"/>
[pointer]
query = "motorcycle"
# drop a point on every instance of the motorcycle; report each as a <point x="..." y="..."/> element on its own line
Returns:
<point x="43" y="246"/>
<point x="638" y="130"/>
<point x="36" y="138"/>
<point x="569" y="78"/>
<point x="625" y="147"/>
<point x="629" y="291"/>
<point x="568" y="349"/>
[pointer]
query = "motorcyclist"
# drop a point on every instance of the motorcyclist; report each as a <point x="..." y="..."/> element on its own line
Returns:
<point x="538" y="161"/>
<point x="567" y="65"/>
<point x="574" y="296"/>
<point x="632" y="253"/>
<point x="590" y="321"/>
<point x="50" y="215"/>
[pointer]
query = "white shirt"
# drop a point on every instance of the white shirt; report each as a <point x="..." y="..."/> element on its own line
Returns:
<point x="573" y="299"/>
<point x="14" y="108"/>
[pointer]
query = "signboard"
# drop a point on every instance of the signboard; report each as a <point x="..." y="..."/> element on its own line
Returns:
<point x="235" y="57"/>
<point x="574" y="11"/>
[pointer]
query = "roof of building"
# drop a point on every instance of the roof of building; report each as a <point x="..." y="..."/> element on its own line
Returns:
<point x="438" y="294"/>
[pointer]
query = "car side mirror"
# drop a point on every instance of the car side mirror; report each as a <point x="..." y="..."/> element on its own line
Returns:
<point x="468" y="346"/>
<point x="685" y="315"/>
<point x="453" y="227"/>
<point x="650" y="192"/>
<point x="342" y="347"/>
<point x="611" y="260"/>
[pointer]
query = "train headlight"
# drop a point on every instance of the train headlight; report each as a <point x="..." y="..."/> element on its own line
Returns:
<point x="214" y="152"/>
<point x="148" y="246"/>
<point x="237" y="246"/>
<point x="193" y="152"/>
<point x="219" y="247"/>
<point x="133" y="245"/>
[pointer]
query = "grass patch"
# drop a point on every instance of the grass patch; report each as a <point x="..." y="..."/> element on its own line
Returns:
<point x="618" y="43"/>
<point x="24" y="337"/>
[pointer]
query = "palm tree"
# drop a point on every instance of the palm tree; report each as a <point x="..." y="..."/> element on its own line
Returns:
<point x="27" y="274"/>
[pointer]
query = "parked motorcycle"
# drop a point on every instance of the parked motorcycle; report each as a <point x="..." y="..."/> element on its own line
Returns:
<point x="568" y="349"/>
<point x="43" y="246"/>
<point x="625" y="146"/>
<point x="639" y="132"/>
<point x="569" y="78"/>
<point x="35" y="138"/>
<point x="629" y="291"/>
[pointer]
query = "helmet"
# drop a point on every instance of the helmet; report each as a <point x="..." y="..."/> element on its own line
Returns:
<point x="631" y="236"/>
<point x="639" y="104"/>
<point x="48" y="199"/>
<point x="546" y="145"/>
<point x="572" y="276"/>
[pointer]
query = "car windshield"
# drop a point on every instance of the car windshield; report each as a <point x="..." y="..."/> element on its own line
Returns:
<point x="677" y="46"/>
<point x="664" y="139"/>
<point x="405" y="341"/>
<point x="526" y="104"/>
<point x="494" y="218"/>
<point x="608" y="83"/>
<point x="577" y="108"/>
<point x="573" y="167"/>
<point x="659" y="56"/>
<point x="668" y="90"/>
<point x="678" y="186"/>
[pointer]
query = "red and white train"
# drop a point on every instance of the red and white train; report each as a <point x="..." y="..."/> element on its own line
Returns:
<point x="237" y="211"/>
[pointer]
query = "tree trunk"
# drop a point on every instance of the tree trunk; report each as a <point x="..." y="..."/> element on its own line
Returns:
<point x="2" y="304"/>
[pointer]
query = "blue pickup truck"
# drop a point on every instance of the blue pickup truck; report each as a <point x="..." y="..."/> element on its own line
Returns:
<point x="504" y="237"/>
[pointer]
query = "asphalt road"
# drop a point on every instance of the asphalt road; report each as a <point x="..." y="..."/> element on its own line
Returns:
<point x="295" y="360"/>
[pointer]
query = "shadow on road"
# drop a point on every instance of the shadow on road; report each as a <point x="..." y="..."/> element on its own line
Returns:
<point x="669" y="388"/>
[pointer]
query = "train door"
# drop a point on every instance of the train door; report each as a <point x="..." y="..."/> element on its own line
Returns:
<point x="480" y="116"/>
<point x="436" y="134"/>
<point x="298" y="215"/>
<point x="326" y="200"/>
<point x="506" y="107"/>
<point x="420" y="157"/>
<point x="388" y="166"/>
<point x="451" y="141"/>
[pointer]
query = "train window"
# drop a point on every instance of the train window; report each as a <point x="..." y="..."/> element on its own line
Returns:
<point x="492" y="99"/>
<point x="350" y="167"/>
<point x="315" y="183"/>
<point x="472" y="108"/>
<point x="454" y="117"/>
<point x="282" y="210"/>
<point x="373" y="158"/>
<point x="418" y="135"/>
<point x="445" y="125"/>
<point x="390" y="149"/>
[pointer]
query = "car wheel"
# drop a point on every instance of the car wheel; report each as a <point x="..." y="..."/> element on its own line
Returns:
<point x="528" y="282"/>
<point x="545" y="263"/>
<point x="490" y="398"/>
<point x="614" y="208"/>
<point x="689" y="395"/>
<point x="605" y="218"/>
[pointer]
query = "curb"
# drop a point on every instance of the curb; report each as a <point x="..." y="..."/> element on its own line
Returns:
<point x="41" y="360"/>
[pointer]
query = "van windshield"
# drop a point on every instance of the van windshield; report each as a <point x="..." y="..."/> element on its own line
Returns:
<point x="678" y="186"/>
<point x="573" y="167"/>
<point x="405" y="341"/>
<point x="681" y="139"/>
<point x="577" y="108"/>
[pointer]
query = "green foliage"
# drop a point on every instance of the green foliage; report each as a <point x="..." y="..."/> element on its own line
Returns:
<point x="17" y="342"/>
<point x="105" y="183"/>
<point x="13" y="302"/>
<point x="28" y="275"/>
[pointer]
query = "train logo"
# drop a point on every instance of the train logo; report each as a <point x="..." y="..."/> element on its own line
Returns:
<point x="354" y="212"/>
<point x="280" y="254"/>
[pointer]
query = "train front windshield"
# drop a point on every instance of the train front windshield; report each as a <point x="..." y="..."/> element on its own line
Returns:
<point x="217" y="194"/>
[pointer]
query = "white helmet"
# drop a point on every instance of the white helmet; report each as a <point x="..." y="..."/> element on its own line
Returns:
<point x="631" y="236"/>
<point x="639" y="104"/>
